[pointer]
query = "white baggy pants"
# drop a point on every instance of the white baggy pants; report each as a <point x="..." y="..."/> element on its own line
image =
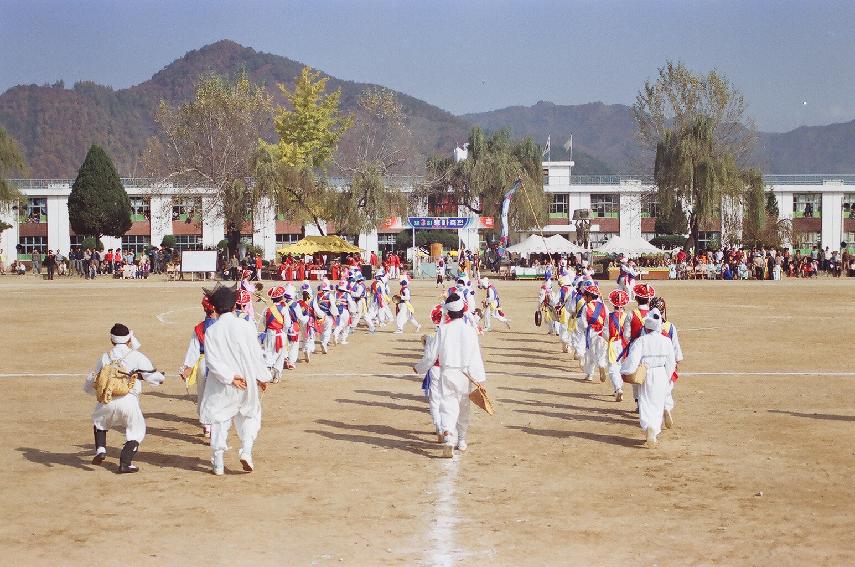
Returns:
<point x="247" y="430"/>
<point x="596" y="355"/>
<point x="404" y="316"/>
<point x="454" y="404"/>
<point x="121" y="412"/>
<point x="651" y="399"/>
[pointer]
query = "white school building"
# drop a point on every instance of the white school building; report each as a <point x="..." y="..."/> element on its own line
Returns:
<point x="821" y="208"/>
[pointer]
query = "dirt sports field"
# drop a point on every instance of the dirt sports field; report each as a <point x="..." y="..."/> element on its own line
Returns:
<point x="758" y="470"/>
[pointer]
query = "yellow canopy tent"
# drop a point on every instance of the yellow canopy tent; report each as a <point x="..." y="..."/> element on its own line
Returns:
<point x="314" y="244"/>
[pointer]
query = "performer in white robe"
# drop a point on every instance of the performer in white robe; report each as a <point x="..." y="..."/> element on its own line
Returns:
<point x="325" y="313"/>
<point x="406" y="311"/>
<point x="565" y="306"/>
<point x="237" y="373"/>
<point x="430" y="384"/>
<point x="342" y="320"/>
<point x="194" y="368"/>
<point x="627" y="276"/>
<point x="456" y="347"/>
<point x="308" y="330"/>
<point x="359" y="304"/>
<point x="657" y="353"/>
<point x="299" y="319"/>
<point x="277" y="321"/>
<point x="594" y="320"/>
<point x="616" y="343"/>
<point x="385" y="315"/>
<point x="577" y="335"/>
<point x="492" y="306"/>
<point x="669" y="330"/>
<point x="123" y="411"/>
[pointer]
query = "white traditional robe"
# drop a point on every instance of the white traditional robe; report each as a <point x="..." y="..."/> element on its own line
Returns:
<point x="456" y="346"/>
<point x="232" y="349"/>
<point x="427" y="367"/>
<point x="492" y="310"/>
<point x="678" y="357"/>
<point x="657" y="352"/>
<point x="123" y="411"/>
<point x="406" y="311"/>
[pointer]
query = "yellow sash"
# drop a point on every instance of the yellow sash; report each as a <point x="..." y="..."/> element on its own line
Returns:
<point x="191" y="378"/>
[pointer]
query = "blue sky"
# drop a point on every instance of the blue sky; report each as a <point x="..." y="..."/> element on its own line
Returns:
<point x="465" y="56"/>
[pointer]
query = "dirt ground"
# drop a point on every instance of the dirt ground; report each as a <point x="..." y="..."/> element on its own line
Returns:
<point x="758" y="469"/>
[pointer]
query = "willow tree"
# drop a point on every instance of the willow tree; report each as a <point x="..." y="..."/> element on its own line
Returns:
<point x="702" y="139"/>
<point x="293" y="169"/>
<point x="377" y="149"/>
<point x="11" y="163"/>
<point x="209" y="143"/>
<point x="479" y="182"/>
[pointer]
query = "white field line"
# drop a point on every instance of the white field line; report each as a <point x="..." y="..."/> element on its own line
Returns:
<point x="441" y="551"/>
<point x="162" y="316"/>
<point x="493" y="373"/>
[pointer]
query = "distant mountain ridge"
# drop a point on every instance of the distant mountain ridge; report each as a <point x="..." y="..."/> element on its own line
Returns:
<point x="56" y="125"/>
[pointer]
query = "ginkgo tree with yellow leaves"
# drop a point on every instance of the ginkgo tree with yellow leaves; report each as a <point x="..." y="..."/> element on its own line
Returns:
<point x="293" y="169"/>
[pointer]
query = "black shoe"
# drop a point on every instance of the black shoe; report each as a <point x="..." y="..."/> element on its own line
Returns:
<point x="128" y="469"/>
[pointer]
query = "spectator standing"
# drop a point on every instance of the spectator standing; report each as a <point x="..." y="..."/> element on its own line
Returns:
<point x="259" y="264"/>
<point x="37" y="262"/>
<point x="50" y="264"/>
<point x="2" y="263"/>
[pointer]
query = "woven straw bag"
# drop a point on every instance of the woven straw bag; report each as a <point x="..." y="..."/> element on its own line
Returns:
<point x="637" y="377"/>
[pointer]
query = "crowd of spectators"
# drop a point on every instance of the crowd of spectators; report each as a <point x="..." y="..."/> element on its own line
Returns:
<point x="761" y="264"/>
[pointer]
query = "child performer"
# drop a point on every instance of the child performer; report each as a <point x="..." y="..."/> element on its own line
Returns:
<point x="406" y="311"/>
<point x="194" y="370"/>
<point x="122" y="411"/>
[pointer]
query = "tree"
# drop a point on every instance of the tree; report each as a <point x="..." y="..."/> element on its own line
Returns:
<point x="98" y="204"/>
<point x="11" y="162"/>
<point x="772" y="205"/>
<point x="479" y="182"/>
<point x="210" y="143"/>
<point x="293" y="169"/>
<point x="371" y="153"/>
<point x="701" y="137"/>
<point x="755" y="214"/>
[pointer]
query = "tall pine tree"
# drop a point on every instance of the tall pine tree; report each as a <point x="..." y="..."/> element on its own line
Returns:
<point x="98" y="204"/>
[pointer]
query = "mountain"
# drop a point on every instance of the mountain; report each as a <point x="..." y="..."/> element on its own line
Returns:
<point x="55" y="125"/>
<point x="606" y="132"/>
<point x="809" y="149"/>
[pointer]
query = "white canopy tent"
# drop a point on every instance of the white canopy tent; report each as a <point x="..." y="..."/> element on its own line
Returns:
<point x="536" y="244"/>
<point x="629" y="246"/>
<point x="560" y="245"/>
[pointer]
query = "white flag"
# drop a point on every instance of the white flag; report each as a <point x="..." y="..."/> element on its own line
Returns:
<point x="546" y="151"/>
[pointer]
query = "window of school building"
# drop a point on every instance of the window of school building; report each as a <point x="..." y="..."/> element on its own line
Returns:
<point x="188" y="242"/>
<point x="36" y="211"/>
<point x="807" y="205"/>
<point x="386" y="241"/>
<point x="849" y="237"/>
<point x="187" y="209"/>
<point x="849" y="206"/>
<point x="136" y="243"/>
<point x="28" y="244"/>
<point x="605" y="205"/>
<point x="287" y="238"/>
<point x="805" y="241"/>
<point x="649" y="207"/>
<point x="559" y="208"/>
<point x="140" y="209"/>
